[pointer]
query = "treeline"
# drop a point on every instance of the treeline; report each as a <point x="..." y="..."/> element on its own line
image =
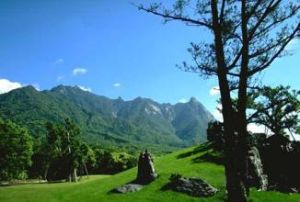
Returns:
<point x="60" y="155"/>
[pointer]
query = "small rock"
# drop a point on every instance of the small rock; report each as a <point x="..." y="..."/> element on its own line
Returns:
<point x="128" y="188"/>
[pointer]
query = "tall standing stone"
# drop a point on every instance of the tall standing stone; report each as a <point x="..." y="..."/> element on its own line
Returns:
<point x="146" y="171"/>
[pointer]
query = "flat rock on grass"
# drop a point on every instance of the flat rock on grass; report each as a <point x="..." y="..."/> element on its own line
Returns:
<point x="192" y="186"/>
<point x="127" y="188"/>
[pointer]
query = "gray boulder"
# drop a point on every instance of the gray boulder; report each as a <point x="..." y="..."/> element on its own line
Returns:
<point x="191" y="186"/>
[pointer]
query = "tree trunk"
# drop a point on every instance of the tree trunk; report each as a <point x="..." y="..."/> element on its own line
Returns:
<point x="85" y="169"/>
<point x="46" y="173"/>
<point x="73" y="175"/>
<point x="241" y="122"/>
<point x="234" y="183"/>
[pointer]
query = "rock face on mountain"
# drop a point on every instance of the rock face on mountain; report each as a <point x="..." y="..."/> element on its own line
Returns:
<point x="108" y="120"/>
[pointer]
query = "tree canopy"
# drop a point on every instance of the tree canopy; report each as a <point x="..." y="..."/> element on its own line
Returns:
<point x="276" y="108"/>
<point x="66" y="152"/>
<point x="15" y="151"/>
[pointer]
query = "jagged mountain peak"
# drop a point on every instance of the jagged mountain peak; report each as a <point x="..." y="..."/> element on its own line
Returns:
<point x="103" y="119"/>
<point x="193" y="100"/>
<point x="68" y="89"/>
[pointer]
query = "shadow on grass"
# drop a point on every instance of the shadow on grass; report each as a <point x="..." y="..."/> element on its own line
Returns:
<point x="167" y="187"/>
<point x="212" y="157"/>
<point x="202" y="148"/>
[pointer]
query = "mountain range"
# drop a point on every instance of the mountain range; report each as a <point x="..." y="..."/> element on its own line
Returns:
<point x="108" y="121"/>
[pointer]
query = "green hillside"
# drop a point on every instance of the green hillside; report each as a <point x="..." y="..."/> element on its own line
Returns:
<point x="136" y="122"/>
<point x="189" y="162"/>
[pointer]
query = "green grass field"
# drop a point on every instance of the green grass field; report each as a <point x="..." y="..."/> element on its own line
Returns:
<point x="189" y="162"/>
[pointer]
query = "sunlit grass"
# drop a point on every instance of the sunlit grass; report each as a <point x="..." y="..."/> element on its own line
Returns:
<point x="97" y="188"/>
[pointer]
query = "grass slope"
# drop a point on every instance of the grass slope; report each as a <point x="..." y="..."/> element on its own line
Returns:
<point x="189" y="162"/>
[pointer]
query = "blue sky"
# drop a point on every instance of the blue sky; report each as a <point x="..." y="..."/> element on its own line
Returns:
<point x="108" y="47"/>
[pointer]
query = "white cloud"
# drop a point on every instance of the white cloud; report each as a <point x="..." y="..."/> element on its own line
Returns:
<point x="117" y="85"/>
<point x="214" y="91"/>
<point x="6" y="85"/>
<point x="59" y="61"/>
<point x="79" y="71"/>
<point x="254" y="128"/>
<point x="217" y="113"/>
<point x="85" y="88"/>
<point x="59" y="78"/>
<point x="183" y="100"/>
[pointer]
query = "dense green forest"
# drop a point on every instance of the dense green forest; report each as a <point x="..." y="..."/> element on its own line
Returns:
<point x="61" y="155"/>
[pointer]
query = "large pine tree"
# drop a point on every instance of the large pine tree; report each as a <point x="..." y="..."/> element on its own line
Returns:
<point x="247" y="36"/>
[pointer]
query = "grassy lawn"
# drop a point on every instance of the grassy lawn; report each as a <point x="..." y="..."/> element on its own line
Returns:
<point x="189" y="162"/>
